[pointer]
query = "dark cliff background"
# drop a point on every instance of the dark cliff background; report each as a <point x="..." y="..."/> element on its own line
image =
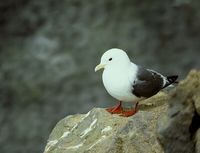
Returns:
<point x="48" y="51"/>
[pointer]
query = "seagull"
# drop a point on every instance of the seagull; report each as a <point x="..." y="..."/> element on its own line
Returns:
<point x="128" y="82"/>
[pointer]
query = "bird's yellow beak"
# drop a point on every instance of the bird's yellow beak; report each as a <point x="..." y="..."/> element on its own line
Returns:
<point x="98" y="67"/>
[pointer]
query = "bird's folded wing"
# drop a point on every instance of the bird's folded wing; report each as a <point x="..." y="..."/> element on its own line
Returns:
<point x="147" y="84"/>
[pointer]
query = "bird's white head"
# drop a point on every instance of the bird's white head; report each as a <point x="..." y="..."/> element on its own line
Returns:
<point x="113" y="57"/>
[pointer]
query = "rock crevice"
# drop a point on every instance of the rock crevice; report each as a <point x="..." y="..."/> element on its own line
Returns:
<point x="177" y="128"/>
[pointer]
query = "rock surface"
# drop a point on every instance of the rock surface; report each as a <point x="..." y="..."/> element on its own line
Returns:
<point x="178" y="129"/>
<point x="99" y="131"/>
<point x="173" y="118"/>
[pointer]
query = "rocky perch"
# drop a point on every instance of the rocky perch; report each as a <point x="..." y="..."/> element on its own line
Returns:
<point x="166" y="122"/>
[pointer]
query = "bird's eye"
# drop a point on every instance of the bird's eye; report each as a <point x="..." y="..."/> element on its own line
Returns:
<point x="110" y="59"/>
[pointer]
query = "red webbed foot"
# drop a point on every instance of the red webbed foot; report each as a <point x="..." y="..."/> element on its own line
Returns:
<point x="116" y="109"/>
<point x="127" y="113"/>
<point x="130" y="112"/>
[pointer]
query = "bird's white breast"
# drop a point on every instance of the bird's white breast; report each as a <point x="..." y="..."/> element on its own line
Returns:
<point x="118" y="82"/>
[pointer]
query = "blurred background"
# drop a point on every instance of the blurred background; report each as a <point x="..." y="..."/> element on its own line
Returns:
<point x="48" y="51"/>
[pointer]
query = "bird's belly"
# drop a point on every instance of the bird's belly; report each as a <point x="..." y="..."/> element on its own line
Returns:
<point x="119" y="88"/>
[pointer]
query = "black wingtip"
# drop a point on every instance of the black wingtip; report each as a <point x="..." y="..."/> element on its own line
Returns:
<point x="172" y="79"/>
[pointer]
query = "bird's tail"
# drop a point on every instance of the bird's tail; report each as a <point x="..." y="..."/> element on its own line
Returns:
<point x="170" y="80"/>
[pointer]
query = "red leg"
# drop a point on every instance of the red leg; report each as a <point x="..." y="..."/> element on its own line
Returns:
<point x="130" y="112"/>
<point x="116" y="109"/>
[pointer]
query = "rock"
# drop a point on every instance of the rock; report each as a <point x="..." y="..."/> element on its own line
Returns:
<point x="99" y="131"/>
<point x="177" y="129"/>
<point x="166" y="122"/>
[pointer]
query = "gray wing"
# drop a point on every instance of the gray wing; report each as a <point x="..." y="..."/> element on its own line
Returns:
<point x="148" y="83"/>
